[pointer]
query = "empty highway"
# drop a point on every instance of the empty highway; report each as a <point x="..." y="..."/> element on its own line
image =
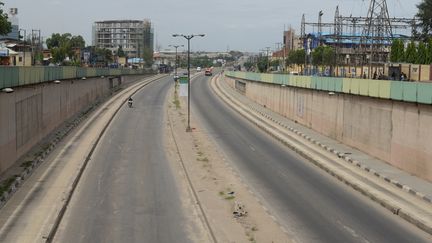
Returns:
<point x="128" y="192"/>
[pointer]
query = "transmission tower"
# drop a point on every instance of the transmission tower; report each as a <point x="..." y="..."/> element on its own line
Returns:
<point x="377" y="33"/>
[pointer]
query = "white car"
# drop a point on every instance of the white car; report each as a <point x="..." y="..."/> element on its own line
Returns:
<point x="198" y="69"/>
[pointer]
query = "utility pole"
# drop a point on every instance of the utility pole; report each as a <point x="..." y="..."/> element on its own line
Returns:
<point x="36" y="43"/>
<point x="24" y="43"/>
<point x="279" y="50"/>
<point x="176" y="59"/>
<point x="188" y="38"/>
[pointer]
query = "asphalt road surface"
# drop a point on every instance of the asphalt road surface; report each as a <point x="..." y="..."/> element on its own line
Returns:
<point x="311" y="205"/>
<point x="128" y="192"/>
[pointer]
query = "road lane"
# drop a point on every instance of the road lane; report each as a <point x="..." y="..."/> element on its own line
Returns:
<point x="128" y="192"/>
<point x="313" y="206"/>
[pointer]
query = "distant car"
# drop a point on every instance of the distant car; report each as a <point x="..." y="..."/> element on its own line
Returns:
<point x="198" y="69"/>
<point x="208" y="72"/>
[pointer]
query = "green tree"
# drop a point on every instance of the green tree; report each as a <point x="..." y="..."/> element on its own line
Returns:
<point x="323" y="56"/>
<point x="429" y="52"/>
<point x="63" y="45"/>
<point x="148" y="57"/>
<point x="274" y="64"/>
<point x="397" y="51"/>
<point x="5" y="25"/>
<point x="77" y="42"/>
<point x="120" y="52"/>
<point x="248" y="65"/>
<point x="328" y="56"/>
<point x="425" y="15"/>
<point x="262" y="64"/>
<point x="290" y="60"/>
<point x="317" y="56"/>
<point x="411" y="53"/>
<point x="296" y="57"/>
<point x="422" y="54"/>
<point x="101" y="56"/>
<point x="201" y="61"/>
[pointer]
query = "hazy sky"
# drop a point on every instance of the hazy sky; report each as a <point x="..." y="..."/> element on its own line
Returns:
<point x="245" y="25"/>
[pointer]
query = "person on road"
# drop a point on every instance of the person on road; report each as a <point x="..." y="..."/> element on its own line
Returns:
<point x="130" y="101"/>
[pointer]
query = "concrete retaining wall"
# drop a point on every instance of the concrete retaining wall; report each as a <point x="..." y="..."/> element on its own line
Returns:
<point x="32" y="112"/>
<point x="394" y="131"/>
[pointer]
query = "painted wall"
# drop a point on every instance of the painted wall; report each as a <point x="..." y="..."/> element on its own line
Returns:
<point x="394" y="131"/>
<point x="32" y="112"/>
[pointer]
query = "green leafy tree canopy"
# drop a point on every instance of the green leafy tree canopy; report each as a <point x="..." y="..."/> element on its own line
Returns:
<point x="425" y="15"/>
<point x="296" y="57"/>
<point x="411" y="53"/>
<point x="397" y="51"/>
<point x="62" y="45"/>
<point x="5" y="25"/>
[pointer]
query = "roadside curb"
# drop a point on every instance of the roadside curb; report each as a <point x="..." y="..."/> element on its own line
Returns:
<point x="347" y="158"/>
<point x="386" y="204"/>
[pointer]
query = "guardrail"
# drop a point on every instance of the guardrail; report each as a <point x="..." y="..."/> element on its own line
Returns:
<point x="384" y="89"/>
<point x="19" y="76"/>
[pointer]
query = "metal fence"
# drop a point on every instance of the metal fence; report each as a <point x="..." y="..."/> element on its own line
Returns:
<point x="395" y="90"/>
<point x="19" y="76"/>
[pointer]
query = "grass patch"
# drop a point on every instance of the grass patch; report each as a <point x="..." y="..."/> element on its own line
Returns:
<point x="176" y="102"/>
<point x="46" y="146"/>
<point x="221" y="193"/>
<point x="229" y="197"/>
<point x="26" y="164"/>
<point x="39" y="153"/>
<point x="6" y="184"/>
<point x="254" y="228"/>
<point x="200" y="153"/>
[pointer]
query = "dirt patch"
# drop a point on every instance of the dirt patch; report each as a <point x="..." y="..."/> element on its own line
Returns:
<point x="228" y="209"/>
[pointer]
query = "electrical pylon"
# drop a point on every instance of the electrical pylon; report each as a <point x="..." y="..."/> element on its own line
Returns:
<point x="377" y="33"/>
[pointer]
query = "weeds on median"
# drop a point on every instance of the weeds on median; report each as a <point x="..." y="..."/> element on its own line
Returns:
<point x="26" y="164"/>
<point x="6" y="184"/>
<point x="176" y="101"/>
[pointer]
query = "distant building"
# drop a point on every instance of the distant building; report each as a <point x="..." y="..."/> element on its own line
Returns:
<point x="14" y="34"/>
<point x="290" y="41"/>
<point x="135" y="37"/>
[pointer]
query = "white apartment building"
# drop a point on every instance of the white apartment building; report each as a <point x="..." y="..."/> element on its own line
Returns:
<point x="135" y="37"/>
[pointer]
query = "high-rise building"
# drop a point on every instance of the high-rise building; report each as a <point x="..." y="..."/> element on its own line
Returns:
<point x="134" y="37"/>
<point x="12" y="18"/>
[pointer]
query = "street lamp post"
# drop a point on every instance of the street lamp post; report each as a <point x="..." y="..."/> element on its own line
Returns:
<point x="176" y="59"/>
<point x="188" y="38"/>
<point x="24" y="42"/>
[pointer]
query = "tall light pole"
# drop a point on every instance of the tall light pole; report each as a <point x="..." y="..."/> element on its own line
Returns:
<point x="24" y="42"/>
<point x="188" y="38"/>
<point x="176" y="59"/>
